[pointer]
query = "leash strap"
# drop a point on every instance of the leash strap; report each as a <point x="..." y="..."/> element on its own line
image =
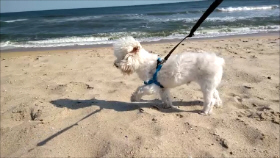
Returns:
<point x="154" y="79"/>
<point x="212" y="7"/>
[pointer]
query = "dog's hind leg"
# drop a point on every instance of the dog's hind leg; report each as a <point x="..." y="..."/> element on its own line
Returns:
<point x="165" y="97"/>
<point x="209" y="100"/>
<point x="218" y="102"/>
<point x="143" y="90"/>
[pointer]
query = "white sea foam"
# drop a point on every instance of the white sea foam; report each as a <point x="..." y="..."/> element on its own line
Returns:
<point x="16" y="20"/>
<point x="82" y="18"/>
<point x="87" y="18"/>
<point x="212" y="19"/>
<point x="247" y="8"/>
<point x="109" y="38"/>
<point x="69" y="40"/>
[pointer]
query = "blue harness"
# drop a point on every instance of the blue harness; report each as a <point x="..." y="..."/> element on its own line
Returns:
<point x="154" y="79"/>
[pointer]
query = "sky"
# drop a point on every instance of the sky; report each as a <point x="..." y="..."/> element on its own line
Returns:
<point x="32" y="5"/>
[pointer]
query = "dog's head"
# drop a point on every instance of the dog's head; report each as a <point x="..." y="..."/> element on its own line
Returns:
<point x="127" y="50"/>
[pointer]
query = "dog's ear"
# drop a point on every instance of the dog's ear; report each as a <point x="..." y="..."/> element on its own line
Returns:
<point x="135" y="50"/>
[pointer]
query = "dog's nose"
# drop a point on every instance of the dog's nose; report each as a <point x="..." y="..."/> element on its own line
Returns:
<point x="116" y="65"/>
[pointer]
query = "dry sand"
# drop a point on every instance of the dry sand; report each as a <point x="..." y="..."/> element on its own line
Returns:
<point x="74" y="103"/>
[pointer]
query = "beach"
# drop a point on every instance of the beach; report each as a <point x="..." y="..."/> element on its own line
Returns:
<point x="75" y="103"/>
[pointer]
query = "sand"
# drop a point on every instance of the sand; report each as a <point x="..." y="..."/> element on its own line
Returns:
<point x="74" y="103"/>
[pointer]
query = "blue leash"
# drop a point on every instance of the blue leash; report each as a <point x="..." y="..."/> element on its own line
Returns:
<point x="154" y="79"/>
<point x="212" y="7"/>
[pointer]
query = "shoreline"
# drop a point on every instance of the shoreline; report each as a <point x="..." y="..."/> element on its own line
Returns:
<point x="77" y="47"/>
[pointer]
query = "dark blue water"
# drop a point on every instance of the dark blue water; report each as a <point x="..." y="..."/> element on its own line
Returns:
<point x="146" y="23"/>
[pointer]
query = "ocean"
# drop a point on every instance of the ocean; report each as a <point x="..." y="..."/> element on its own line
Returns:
<point x="95" y="26"/>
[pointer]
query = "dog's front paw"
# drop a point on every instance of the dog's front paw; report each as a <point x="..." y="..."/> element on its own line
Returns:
<point x="205" y="113"/>
<point x="134" y="98"/>
<point x="166" y="106"/>
<point x="219" y="104"/>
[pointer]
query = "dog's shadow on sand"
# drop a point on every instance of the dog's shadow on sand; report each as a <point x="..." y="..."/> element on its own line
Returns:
<point x="116" y="105"/>
<point x="123" y="106"/>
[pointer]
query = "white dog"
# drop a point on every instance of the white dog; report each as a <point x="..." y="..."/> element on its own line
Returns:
<point x="204" y="68"/>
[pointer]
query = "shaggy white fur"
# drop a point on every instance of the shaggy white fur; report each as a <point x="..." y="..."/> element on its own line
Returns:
<point x="204" y="68"/>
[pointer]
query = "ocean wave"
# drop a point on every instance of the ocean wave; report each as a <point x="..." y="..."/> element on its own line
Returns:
<point x="5" y="44"/>
<point x="94" y="17"/>
<point x="70" y="19"/>
<point x="54" y="16"/>
<point x="213" y="19"/>
<point x="164" y="13"/>
<point x="162" y="16"/>
<point x="247" y="8"/>
<point x="190" y="20"/>
<point x="174" y="13"/>
<point x="68" y="40"/>
<point x="109" y="38"/>
<point x="16" y="20"/>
